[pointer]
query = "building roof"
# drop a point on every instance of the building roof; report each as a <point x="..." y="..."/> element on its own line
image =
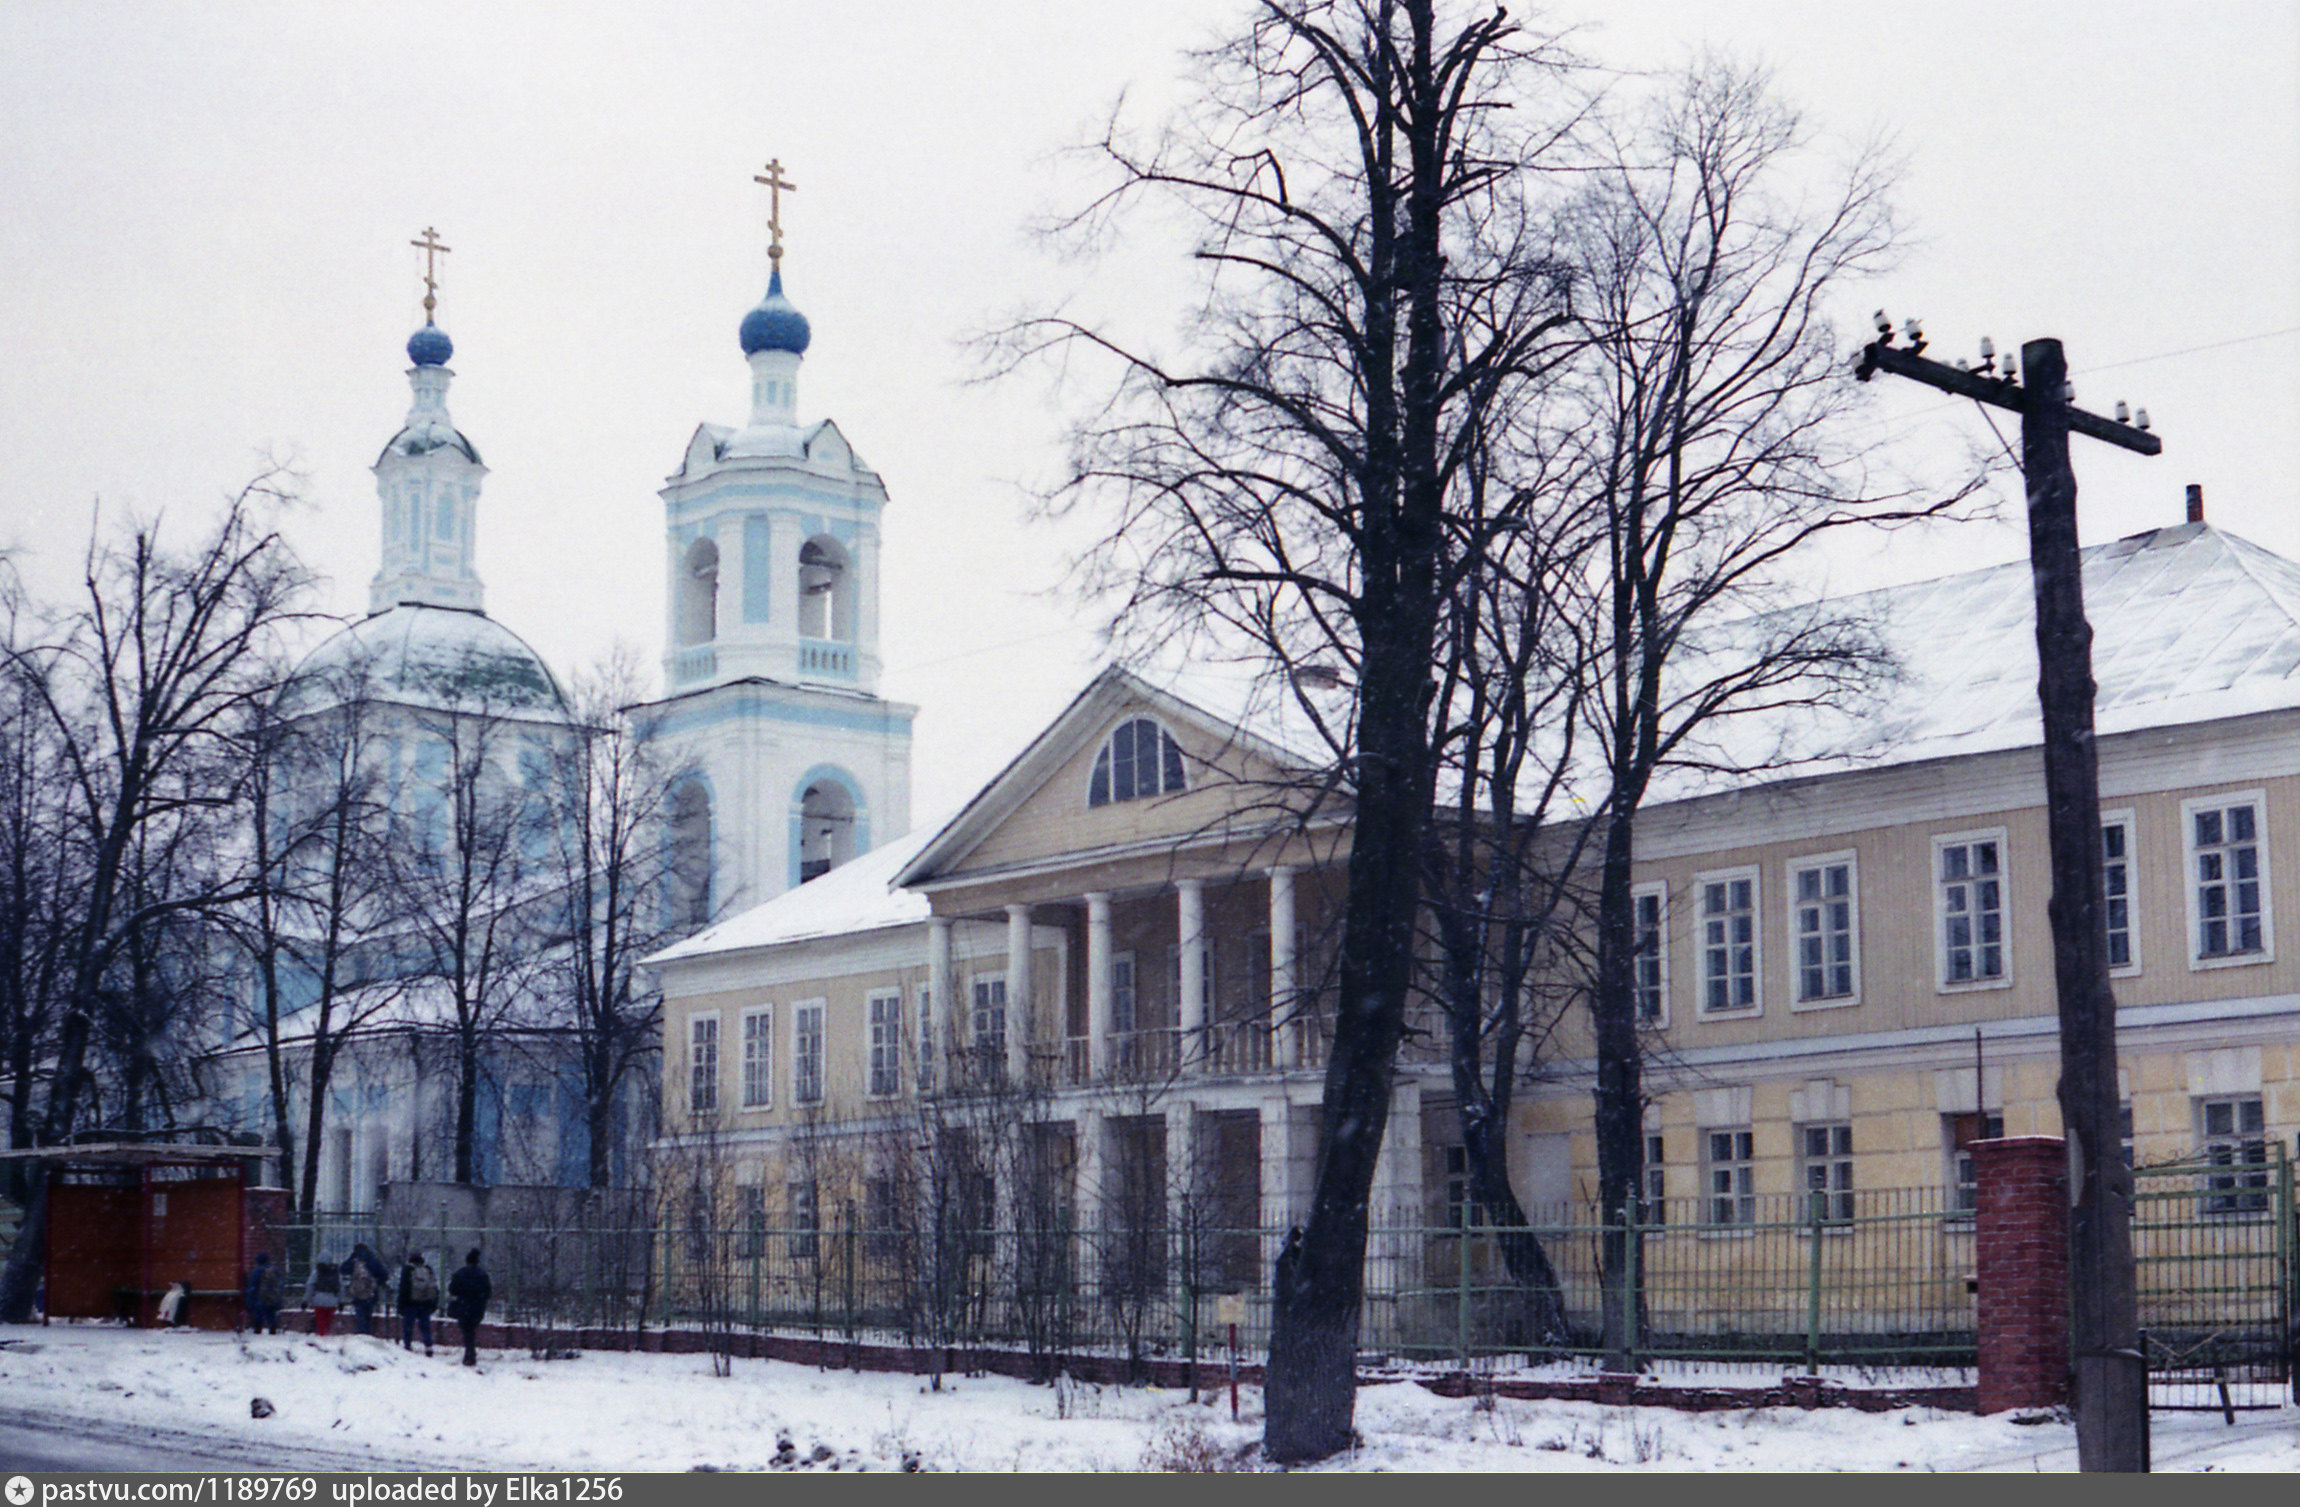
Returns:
<point x="440" y="658"/>
<point x="857" y="896"/>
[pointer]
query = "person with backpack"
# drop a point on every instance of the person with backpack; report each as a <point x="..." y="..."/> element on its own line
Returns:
<point x="467" y="1294"/>
<point x="323" y="1294"/>
<point x="418" y="1297"/>
<point x="363" y="1278"/>
<point x="263" y="1295"/>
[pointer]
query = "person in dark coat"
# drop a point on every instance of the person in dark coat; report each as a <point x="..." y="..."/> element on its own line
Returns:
<point x="418" y="1297"/>
<point x="263" y="1295"/>
<point x="467" y="1294"/>
<point x="363" y="1279"/>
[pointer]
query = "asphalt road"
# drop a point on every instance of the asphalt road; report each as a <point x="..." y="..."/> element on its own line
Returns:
<point x="32" y="1441"/>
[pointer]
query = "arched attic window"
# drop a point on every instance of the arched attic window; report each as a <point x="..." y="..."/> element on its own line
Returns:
<point x="825" y="607"/>
<point x="826" y="829"/>
<point x="1141" y="759"/>
<point x="699" y="593"/>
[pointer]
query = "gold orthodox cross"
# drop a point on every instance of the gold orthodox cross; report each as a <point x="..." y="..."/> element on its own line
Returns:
<point x="431" y="247"/>
<point x="776" y="185"/>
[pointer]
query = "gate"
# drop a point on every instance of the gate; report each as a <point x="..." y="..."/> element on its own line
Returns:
<point x="2212" y="1242"/>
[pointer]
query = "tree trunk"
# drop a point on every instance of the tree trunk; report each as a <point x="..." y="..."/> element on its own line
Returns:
<point x="1620" y="1108"/>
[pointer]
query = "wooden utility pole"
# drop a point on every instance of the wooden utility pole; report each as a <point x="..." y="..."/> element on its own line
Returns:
<point x="2104" y="1336"/>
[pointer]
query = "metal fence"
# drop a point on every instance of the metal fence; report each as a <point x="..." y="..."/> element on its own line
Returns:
<point x="2212" y="1249"/>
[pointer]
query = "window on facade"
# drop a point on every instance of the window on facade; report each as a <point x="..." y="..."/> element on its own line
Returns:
<point x="1960" y="1131"/>
<point x="927" y="1046"/>
<point x="990" y="1022"/>
<point x="750" y="1222"/>
<point x="803" y="1219"/>
<point x="1648" y="956"/>
<point x="1729" y="943"/>
<point x="699" y="593"/>
<point x="703" y="1064"/>
<point x="807" y="1054"/>
<point x="759" y="1058"/>
<point x="1826" y="920"/>
<point x="1656" y="1210"/>
<point x="1141" y="759"/>
<point x="2116" y="887"/>
<point x="2235" y="1147"/>
<point x="698" y="1226"/>
<point x="1972" y="910"/>
<point x="826" y="829"/>
<point x="1122" y="1004"/>
<point x="885" y="1046"/>
<point x="2225" y="842"/>
<point x="1728" y="1176"/>
<point x="822" y="578"/>
<point x="1825" y="1170"/>
<point x="1462" y="1209"/>
<point x="882" y="1218"/>
<point x="689" y="881"/>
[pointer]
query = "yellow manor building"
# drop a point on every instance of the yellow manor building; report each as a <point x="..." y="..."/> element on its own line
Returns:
<point x="1102" y="985"/>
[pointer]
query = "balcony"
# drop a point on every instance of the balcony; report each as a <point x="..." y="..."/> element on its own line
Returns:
<point x="826" y="659"/>
<point x="696" y="662"/>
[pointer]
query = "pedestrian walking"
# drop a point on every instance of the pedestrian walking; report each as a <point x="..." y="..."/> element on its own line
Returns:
<point x="467" y="1294"/>
<point x="323" y="1294"/>
<point x="363" y="1279"/>
<point x="263" y="1294"/>
<point x="418" y="1297"/>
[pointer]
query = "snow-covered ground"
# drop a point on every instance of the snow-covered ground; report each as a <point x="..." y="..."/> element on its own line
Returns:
<point x="603" y="1411"/>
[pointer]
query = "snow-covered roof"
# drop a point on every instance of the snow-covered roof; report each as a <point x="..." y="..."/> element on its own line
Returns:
<point x="857" y="896"/>
<point x="442" y="658"/>
<point x="2189" y="625"/>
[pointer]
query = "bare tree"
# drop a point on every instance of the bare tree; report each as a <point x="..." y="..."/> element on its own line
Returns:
<point x="1376" y="283"/>
<point x="143" y="684"/>
<point x="1710" y="405"/>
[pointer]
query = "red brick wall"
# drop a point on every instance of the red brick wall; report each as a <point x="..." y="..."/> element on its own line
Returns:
<point x="2020" y="1241"/>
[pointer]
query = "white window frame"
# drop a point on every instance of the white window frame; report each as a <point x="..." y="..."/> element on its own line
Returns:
<point x="1105" y="765"/>
<point x="758" y="1069"/>
<point x="1756" y="943"/>
<point x="1793" y="903"/>
<point x="702" y="1077"/>
<point x="1963" y="1168"/>
<point x="2192" y="882"/>
<point x="924" y="1072"/>
<point x="1825" y="1171"/>
<point x="808" y="1051"/>
<point x="976" y="986"/>
<point x="2239" y="1186"/>
<point x="1125" y="995"/>
<point x="2124" y="822"/>
<point x="1737" y="1194"/>
<point x="882" y="1022"/>
<point x="1657" y="960"/>
<point x="1654" y="1175"/>
<point x="1942" y="842"/>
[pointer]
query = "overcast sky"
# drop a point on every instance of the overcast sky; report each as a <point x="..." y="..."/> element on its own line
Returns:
<point x="205" y="212"/>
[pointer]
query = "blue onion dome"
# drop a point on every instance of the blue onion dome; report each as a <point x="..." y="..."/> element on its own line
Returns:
<point x="774" y="325"/>
<point x="429" y="346"/>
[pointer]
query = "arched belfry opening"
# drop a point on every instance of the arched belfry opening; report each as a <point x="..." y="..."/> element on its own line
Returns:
<point x="826" y="829"/>
<point x="699" y="593"/>
<point x="826" y="591"/>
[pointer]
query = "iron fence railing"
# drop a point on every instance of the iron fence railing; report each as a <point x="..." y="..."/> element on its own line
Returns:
<point x="2212" y="1252"/>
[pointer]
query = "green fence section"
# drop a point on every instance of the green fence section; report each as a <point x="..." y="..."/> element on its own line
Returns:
<point x="1875" y="1278"/>
<point x="2212" y="1250"/>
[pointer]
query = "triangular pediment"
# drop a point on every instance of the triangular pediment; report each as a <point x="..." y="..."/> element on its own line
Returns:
<point x="1045" y="809"/>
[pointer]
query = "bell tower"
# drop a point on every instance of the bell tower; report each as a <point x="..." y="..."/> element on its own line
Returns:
<point x="772" y="659"/>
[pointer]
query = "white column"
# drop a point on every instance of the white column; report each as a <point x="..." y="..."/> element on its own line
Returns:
<point x="1182" y="1180"/>
<point x="1098" y="985"/>
<point x="1398" y="1201"/>
<point x="1282" y="968"/>
<point x="1092" y="1156"/>
<point x="935" y="1050"/>
<point x="1018" y="1011"/>
<point x="1190" y="948"/>
<point x="1277" y="1166"/>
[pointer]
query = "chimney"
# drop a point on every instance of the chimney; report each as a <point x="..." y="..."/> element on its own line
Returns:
<point x="2196" y="502"/>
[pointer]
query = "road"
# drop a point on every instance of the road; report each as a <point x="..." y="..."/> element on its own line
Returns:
<point x="32" y="1441"/>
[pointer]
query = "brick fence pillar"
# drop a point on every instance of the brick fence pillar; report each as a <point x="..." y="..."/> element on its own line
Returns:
<point x="2020" y="1240"/>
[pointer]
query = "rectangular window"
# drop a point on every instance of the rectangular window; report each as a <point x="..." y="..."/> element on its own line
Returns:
<point x="1969" y="899"/>
<point x="2228" y="867"/>
<point x="990" y="1022"/>
<point x="1122" y="1008"/>
<point x="800" y="1214"/>
<point x="882" y="1216"/>
<point x="1728" y="1174"/>
<point x="1825" y="1170"/>
<point x="1649" y="952"/>
<point x="759" y="1057"/>
<point x="807" y="1053"/>
<point x="703" y="1064"/>
<point x="1960" y="1131"/>
<point x="751" y="1213"/>
<point x="1656" y="1209"/>
<point x="885" y="1045"/>
<point x="1729" y="942"/>
<point x="1462" y="1210"/>
<point x="1824" y="925"/>
<point x="2235" y="1146"/>
<point x="2116" y="891"/>
<point x="927" y="1046"/>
